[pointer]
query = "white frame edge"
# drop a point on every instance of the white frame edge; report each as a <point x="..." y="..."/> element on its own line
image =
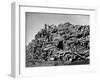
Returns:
<point x="15" y="40"/>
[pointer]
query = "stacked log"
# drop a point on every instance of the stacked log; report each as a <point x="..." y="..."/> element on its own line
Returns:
<point x="65" y="43"/>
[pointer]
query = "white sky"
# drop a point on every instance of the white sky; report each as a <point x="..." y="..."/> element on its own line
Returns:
<point x="36" y="21"/>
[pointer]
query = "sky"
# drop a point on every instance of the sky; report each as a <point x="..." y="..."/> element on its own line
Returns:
<point x="35" y="22"/>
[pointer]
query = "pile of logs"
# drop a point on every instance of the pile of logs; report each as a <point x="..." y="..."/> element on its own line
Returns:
<point x="65" y="43"/>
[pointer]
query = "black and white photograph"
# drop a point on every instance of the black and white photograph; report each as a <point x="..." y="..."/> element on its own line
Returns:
<point x="54" y="39"/>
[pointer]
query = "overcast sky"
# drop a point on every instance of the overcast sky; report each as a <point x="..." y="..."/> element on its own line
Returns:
<point x="36" y="21"/>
